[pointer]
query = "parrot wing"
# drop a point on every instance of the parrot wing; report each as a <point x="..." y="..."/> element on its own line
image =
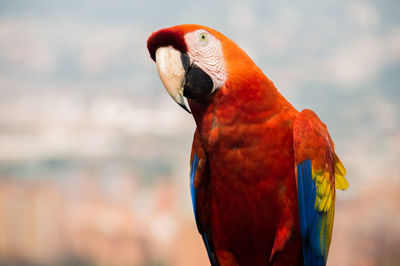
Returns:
<point x="201" y="199"/>
<point x="318" y="171"/>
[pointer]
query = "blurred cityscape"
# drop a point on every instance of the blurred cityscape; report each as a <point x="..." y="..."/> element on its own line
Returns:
<point x="94" y="155"/>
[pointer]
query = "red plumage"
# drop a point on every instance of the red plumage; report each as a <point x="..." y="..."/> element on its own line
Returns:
<point x="246" y="203"/>
<point x="252" y="189"/>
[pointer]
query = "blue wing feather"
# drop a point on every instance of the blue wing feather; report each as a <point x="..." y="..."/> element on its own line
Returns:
<point x="301" y="202"/>
<point x="311" y="221"/>
<point x="193" y="192"/>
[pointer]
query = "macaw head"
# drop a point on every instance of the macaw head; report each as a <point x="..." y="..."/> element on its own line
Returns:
<point x="194" y="61"/>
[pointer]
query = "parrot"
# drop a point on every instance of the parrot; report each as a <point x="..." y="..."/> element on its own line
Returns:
<point x="263" y="176"/>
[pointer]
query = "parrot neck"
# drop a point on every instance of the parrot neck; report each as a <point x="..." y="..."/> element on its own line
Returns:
<point x="245" y="99"/>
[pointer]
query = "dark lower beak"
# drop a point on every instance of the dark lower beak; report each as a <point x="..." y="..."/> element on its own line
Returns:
<point x="198" y="84"/>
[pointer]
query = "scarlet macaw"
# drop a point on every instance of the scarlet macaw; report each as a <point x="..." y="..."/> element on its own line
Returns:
<point x="263" y="175"/>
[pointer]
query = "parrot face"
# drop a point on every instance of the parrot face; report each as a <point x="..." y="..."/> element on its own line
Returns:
<point x="190" y="63"/>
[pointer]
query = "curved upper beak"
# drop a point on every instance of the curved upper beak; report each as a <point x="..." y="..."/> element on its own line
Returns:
<point x="172" y="73"/>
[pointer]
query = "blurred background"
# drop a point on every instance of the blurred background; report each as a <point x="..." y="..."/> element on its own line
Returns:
<point x="94" y="154"/>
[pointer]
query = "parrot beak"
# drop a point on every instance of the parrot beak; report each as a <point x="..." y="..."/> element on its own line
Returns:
<point x="171" y="66"/>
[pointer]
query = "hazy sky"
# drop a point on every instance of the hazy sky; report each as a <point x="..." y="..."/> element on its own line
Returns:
<point x="87" y="60"/>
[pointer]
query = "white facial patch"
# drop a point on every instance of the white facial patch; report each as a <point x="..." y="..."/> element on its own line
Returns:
<point x="205" y="51"/>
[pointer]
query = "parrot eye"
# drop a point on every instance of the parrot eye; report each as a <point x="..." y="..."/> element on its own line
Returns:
<point x="203" y="38"/>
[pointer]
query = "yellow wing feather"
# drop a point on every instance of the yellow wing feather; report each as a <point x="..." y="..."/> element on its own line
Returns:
<point x="340" y="172"/>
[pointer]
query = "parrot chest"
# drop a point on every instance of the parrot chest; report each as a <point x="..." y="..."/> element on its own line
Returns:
<point x="249" y="149"/>
<point x="252" y="179"/>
